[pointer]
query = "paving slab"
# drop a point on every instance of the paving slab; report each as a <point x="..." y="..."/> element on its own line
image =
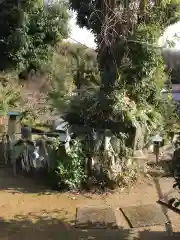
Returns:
<point x="96" y="217"/>
<point x="144" y="215"/>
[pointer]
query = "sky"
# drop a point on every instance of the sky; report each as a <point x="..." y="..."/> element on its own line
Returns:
<point x="170" y="35"/>
<point x="81" y="35"/>
<point x="85" y="37"/>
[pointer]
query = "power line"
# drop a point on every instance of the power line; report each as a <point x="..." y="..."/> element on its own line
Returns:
<point x="130" y="41"/>
<point x="80" y="43"/>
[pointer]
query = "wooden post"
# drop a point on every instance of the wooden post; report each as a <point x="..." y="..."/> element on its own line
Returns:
<point x="14" y="168"/>
<point x="4" y="142"/>
<point x="14" y="127"/>
<point x="157" y="141"/>
<point x="26" y="133"/>
<point x="156" y="151"/>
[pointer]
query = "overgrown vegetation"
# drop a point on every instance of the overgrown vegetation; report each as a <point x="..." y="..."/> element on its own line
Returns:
<point x="29" y="32"/>
<point x="74" y="70"/>
<point x="9" y="93"/>
<point x="131" y="69"/>
<point x="68" y="170"/>
<point x="110" y="98"/>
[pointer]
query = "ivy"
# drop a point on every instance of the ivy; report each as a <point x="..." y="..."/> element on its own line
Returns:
<point x="69" y="169"/>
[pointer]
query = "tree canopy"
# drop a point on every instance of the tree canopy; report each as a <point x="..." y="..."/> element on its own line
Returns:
<point x="130" y="65"/>
<point x="74" y="69"/>
<point x="29" y="31"/>
<point x="83" y="63"/>
<point x="91" y="14"/>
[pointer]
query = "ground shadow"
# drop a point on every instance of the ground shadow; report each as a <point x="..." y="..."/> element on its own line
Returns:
<point x="47" y="226"/>
<point x="34" y="185"/>
<point x="22" y="184"/>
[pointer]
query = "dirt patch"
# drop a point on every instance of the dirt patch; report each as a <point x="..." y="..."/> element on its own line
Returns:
<point x="30" y="211"/>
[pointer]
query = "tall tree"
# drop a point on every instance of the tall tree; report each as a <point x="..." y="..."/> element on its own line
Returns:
<point x="29" y="31"/>
<point x="126" y="33"/>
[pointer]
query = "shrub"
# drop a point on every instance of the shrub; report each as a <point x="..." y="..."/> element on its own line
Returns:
<point x="68" y="171"/>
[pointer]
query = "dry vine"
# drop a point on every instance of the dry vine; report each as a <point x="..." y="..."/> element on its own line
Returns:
<point x="119" y="19"/>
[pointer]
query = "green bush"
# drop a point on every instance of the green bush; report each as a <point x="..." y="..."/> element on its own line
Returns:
<point x="68" y="171"/>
